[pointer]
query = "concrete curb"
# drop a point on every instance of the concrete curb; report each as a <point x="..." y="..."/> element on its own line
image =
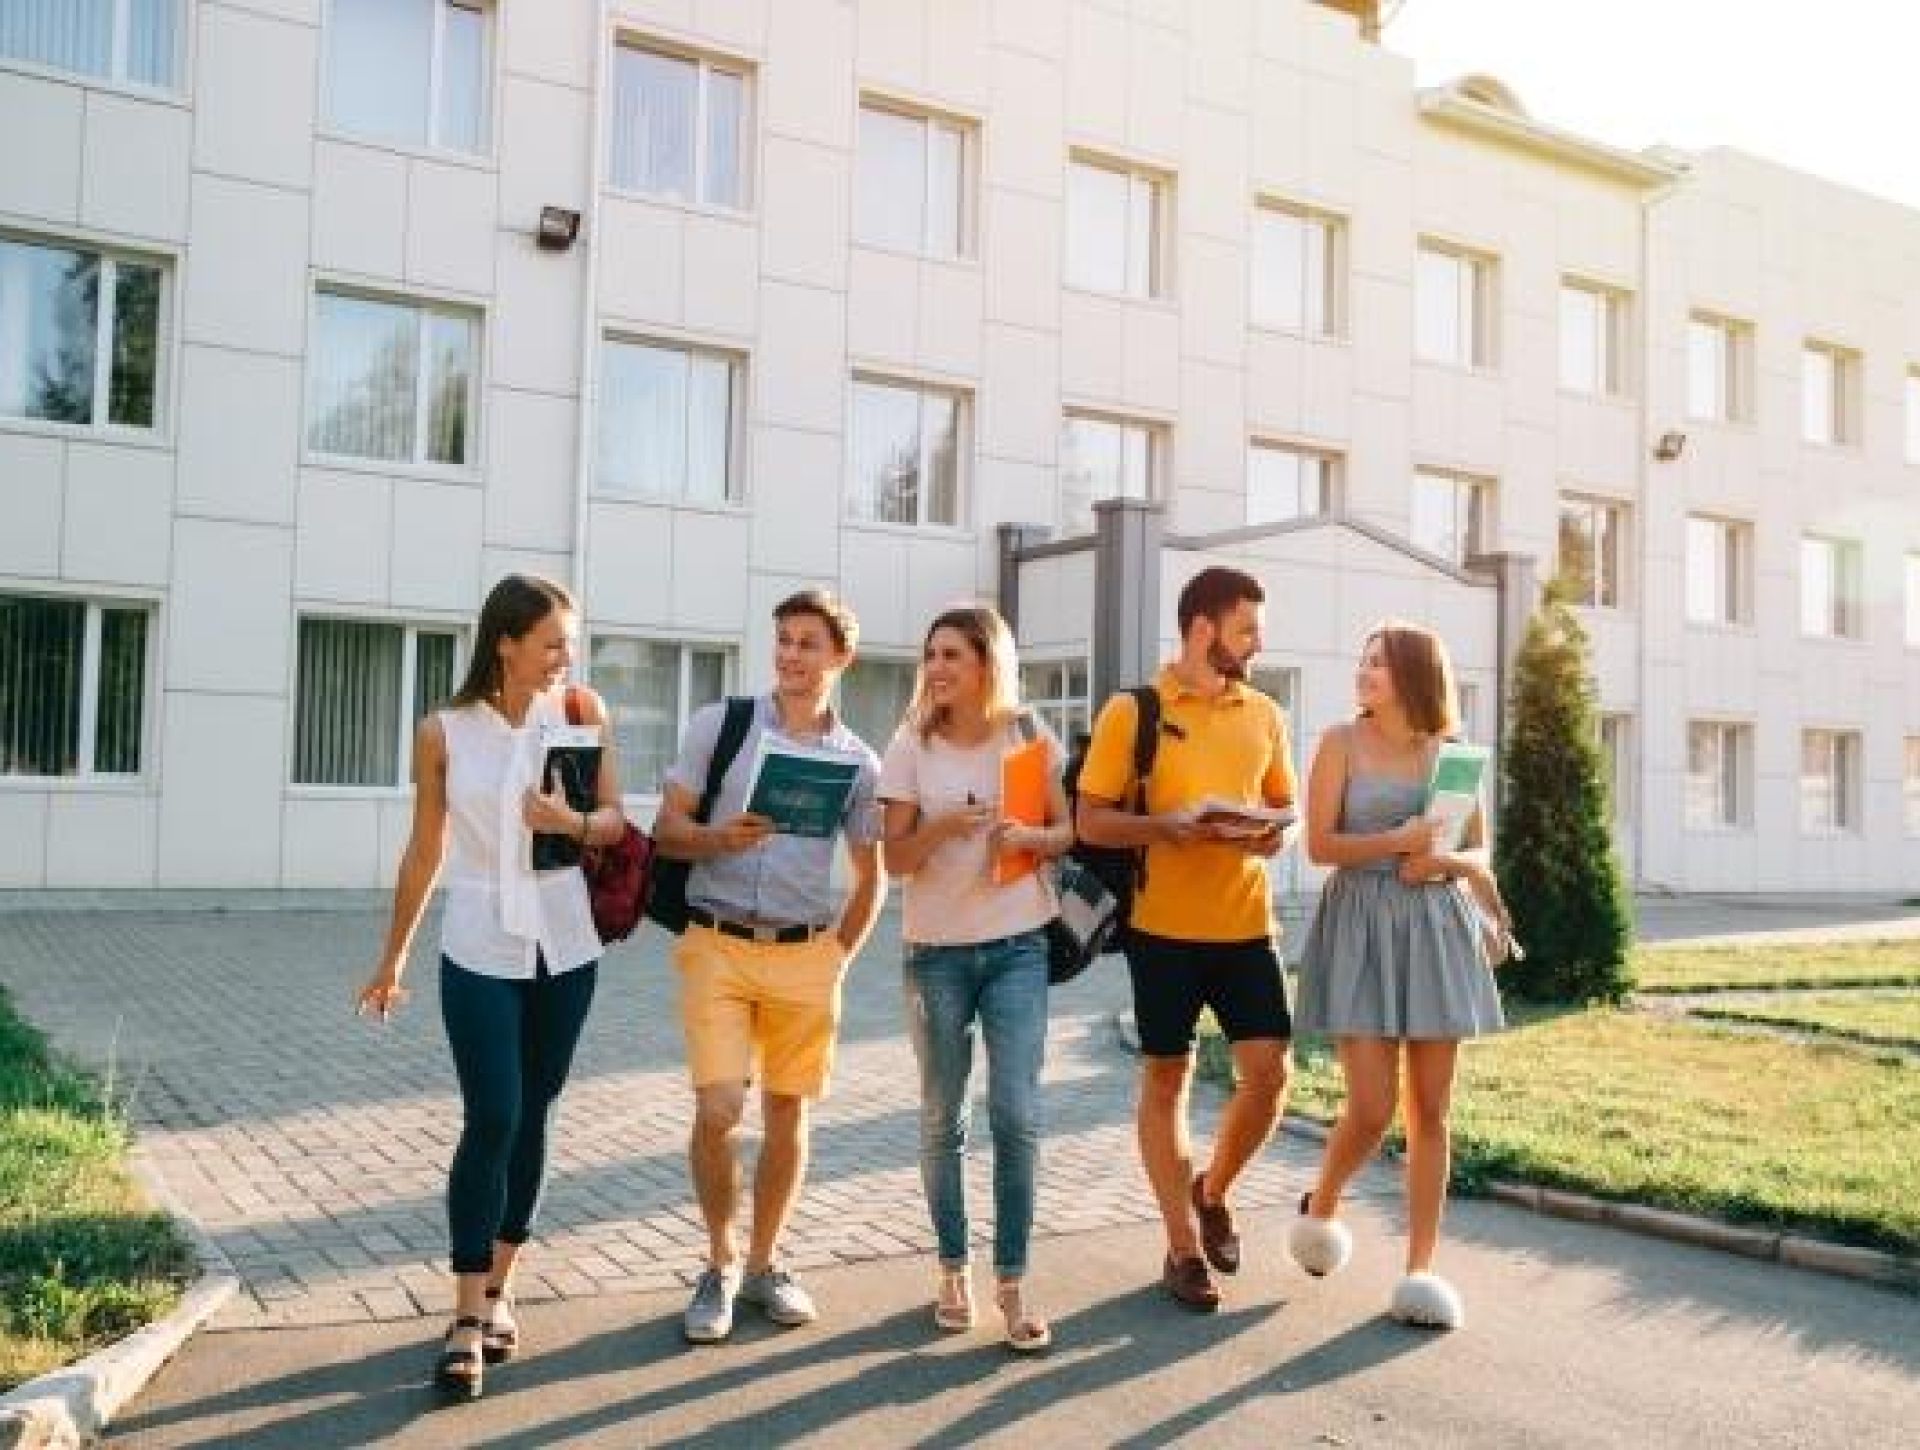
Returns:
<point x="70" y="1407"/>
<point x="1870" y="1266"/>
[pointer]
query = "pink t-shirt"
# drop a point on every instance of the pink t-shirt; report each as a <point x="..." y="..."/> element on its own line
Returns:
<point x="952" y="899"/>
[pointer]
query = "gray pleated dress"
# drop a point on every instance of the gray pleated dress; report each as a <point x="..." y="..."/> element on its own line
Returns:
<point x="1385" y="959"/>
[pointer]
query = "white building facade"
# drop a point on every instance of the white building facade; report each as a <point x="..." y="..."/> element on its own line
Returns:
<point x="288" y="378"/>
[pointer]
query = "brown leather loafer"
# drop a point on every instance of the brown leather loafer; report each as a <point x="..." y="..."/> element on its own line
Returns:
<point x="1219" y="1235"/>
<point x="1191" y="1284"/>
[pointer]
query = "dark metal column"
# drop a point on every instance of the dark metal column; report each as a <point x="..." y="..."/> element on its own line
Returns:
<point x="1126" y="594"/>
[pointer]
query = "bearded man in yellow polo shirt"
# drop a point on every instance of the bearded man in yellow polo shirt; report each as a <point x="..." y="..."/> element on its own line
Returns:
<point x="1202" y="930"/>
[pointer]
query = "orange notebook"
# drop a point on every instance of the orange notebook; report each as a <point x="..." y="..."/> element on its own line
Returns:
<point x="1025" y="785"/>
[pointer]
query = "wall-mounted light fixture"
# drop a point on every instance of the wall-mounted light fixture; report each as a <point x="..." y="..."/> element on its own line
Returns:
<point x="1670" y="445"/>
<point x="558" y="229"/>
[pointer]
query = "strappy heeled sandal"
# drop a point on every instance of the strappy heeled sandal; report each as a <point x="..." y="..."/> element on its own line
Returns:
<point x="458" y="1372"/>
<point x="500" y="1341"/>
<point x="953" y="1301"/>
<point x="1026" y="1333"/>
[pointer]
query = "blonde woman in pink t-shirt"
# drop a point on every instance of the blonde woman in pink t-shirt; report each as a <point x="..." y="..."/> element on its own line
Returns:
<point x="976" y="957"/>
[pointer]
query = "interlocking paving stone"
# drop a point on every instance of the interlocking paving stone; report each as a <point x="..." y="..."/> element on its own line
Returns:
<point x="311" y="1146"/>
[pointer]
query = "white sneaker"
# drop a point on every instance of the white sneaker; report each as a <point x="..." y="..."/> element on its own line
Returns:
<point x="709" y="1316"/>
<point x="1429" y="1301"/>
<point x="1321" y="1246"/>
<point x="780" y="1295"/>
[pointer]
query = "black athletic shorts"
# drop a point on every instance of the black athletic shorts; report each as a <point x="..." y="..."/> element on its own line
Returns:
<point x="1173" y="980"/>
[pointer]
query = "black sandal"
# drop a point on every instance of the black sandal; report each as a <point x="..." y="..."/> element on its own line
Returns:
<point x="500" y="1342"/>
<point x="458" y="1371"/>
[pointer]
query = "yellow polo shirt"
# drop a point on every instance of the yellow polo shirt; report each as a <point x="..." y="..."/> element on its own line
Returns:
<point x="1235" y="747"/>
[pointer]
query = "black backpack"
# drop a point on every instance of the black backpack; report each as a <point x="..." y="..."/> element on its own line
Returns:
<point x="1121" y="869"/>
<point x="667" y="894"/>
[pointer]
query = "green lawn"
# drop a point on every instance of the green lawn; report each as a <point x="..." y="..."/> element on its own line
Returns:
<point x="82" y="1259"/>
<point x="1682" y="968"/>
<point x="1684" y="1115"/>
<point x="1889" y="1017"/>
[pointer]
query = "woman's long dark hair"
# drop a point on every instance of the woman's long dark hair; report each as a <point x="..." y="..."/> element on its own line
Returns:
<point x="514" y="606"/>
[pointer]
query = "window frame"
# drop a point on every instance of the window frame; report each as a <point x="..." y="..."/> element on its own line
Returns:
<point x="739" y="372"/>
<point x="110" y="257"/>
<point x="425" y="303"/>
<point x="1910" y="414"/>
<point x="1911" y="588"/>
<point x="1619" y="517"/>
<point x="1741" y="734"/>
<point x="1614" y="735"/>
<point x="1733" y="568"/>
<point x="705" y="62"/>
<point x="115" y="78"/>
<point x="962" y="399"/>
<point x="966" y="132"/>
<point x="1334" y="260"/>
<point x="1734" y="364"/>
<point x="1842" y="398"/>
<point x="411" y="627"/>
<point x="1910" y="785"/>
<point x="1474" y="541"/>
<point x="1158" y="185"/>
<point x="1055" y="709"/>
<point x="1844" y="606"/>
<point x="877" y="658"/>
<point x="1478" y="292"/>
<point x="432" y="144"/>
<point x="1332" y="469"/>
<point x="727" y="649"/>
<point x="1612" y="365"/>
<point x="1845" y="752"/>
<point x="1158" y="462"/>
<point x="87" y="776"/>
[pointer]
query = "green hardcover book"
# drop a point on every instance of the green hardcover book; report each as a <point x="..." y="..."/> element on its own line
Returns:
<point x="1453" y="790"/>
<point x="804" y="792"/>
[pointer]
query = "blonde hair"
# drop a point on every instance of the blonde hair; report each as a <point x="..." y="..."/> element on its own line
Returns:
<point x="1422" y="674"/>
<point x="986" y="633"/>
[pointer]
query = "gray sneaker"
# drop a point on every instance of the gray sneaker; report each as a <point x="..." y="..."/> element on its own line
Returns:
<point x="709" y="1317"/>
<point x="780" y="1295"/>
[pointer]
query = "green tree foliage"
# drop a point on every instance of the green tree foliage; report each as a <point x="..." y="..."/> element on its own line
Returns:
<point x="1554" y="853"/>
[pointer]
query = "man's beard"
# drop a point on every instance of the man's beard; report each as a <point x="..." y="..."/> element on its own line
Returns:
<point x="1225" y="662"/>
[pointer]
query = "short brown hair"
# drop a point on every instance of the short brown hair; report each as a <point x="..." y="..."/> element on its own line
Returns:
<point x="827" y="607"/>
<point x="1213" y="592"/>
<point x="1422" y="675"/>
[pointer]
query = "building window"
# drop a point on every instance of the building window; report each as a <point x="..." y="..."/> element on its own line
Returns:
<point x="1451" y="515"/>
<point x="1829" y="394"/>
<point x="913" y="182"/>
<point x="652" y="688"/>
<point x="679" y="127"/>
<point x="363" y="687"/>
<point x="1103" y="458"/>
<point x="1830" y="589"/>
<point x="1116" y="230"/>
<point x="73" y="687"/>
<point x="1468" y="697"/>
<point x="1453" y="307"/>
<point x="1911" y="395"/>
<point x="1593" y="339"/>
<point x="1719" y="571"/>
<point x="1717" y="380"/>
<point x="874" y="695"/>
<point x="412" y="71"/>
<point x="1298" y="263"/>
<point x="906" y="451"/>
<point x="669" y="422"/>
<point x="1910" y="784"/>
<point x="1056" y="691"/>
<point x="1593" y="550"/>
<point x="79" y="335"/>
<point x="1913" y="601"/>
<point x="1616" y="763"/>
<point x="1829" y="781"/>
<point x="1284" y="482"/>
<point x="135" y="41"/>
<point x="393" y="381"/>
<point x="1719" y="775"/>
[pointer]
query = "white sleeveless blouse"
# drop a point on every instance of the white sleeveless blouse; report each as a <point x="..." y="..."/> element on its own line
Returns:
<point x="499" y="911"/>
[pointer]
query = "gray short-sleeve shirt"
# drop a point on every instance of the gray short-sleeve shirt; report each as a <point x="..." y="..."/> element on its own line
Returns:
<point x="786" y="880"/>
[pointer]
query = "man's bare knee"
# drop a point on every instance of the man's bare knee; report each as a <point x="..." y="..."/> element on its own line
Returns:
<point x="717" y="1111"/>
<point x="1164" y="1081"/>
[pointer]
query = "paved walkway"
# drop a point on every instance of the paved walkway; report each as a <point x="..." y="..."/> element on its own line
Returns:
<point x="311" y="1146"/>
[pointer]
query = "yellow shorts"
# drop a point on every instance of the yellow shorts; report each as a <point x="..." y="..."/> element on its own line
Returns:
<point x="776" y="1004"/>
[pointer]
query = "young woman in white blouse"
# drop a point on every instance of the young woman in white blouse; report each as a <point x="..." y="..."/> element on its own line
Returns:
<point x="518" y="947"/>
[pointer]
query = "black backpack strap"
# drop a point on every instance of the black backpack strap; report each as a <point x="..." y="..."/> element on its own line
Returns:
<point x="1146" y="737"/>
<point x="733" y="734"/>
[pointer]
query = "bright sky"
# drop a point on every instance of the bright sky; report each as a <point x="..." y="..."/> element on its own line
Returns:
<point x="1832" y="88"/>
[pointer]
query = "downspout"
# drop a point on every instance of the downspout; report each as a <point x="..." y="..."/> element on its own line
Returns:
<point x="590" y="303"/>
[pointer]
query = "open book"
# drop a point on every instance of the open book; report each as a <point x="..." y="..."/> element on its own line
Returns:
<point x="803" y="790"/>
<point x="570" y="759"/>
<point x="1238" y="818"/>
<point x="1453" y="790"/>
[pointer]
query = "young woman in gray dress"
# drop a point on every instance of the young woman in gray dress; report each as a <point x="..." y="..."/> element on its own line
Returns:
<point x="1394" y="967"/>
